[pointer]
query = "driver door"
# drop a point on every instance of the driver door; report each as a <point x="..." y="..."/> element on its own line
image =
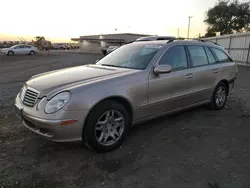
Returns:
<point x="18" y="50"/>
<point x="171" y="91"/>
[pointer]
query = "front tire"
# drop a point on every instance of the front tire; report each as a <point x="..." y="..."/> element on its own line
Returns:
<point x="106" y="126"/>
<point x="219" y="97"/>
<point x="10" y="53"/>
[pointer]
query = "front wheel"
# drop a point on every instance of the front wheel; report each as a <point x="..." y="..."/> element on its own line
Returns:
<point x="107" y="126"/>
<point x="219" y="97"/>
<point x="10" y="53"/>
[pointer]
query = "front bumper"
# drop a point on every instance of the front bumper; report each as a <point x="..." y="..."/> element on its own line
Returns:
<point x="50" y="127"/>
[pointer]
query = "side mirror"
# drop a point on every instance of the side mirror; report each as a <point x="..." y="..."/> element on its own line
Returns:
<point x="162" y="69"/>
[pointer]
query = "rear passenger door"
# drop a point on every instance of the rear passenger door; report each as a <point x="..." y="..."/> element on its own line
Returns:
<point x="203" y="69"/>
<point x="26" y="49"/>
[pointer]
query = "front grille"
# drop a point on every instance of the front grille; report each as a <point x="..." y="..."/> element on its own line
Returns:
<point x="28" y="96"/>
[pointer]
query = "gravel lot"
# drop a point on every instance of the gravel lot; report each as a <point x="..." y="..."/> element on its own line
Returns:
<point x="188" y="149"/>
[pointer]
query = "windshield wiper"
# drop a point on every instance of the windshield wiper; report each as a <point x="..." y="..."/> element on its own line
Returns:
<point x="108" y="65"/>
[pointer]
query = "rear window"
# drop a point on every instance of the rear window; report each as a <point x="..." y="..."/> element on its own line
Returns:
<point x="210" y="56"/>
<point x="198" y="56"/>
<point x="222" y="56"/>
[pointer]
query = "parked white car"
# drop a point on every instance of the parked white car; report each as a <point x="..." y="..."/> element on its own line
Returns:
<point x="20" y="49"/>
<point x="61" y="46"/>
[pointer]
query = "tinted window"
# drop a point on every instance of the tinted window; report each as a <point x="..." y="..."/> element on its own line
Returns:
<point x="198" y="55"/>
<point x="210" y="56"/>
<point x="222" y="56"/>
<point x="175" y="57"/>
<point x="17" y="47"/>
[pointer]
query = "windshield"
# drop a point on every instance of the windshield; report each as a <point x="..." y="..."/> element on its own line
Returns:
<point x="14" y="46"/>
<point x="131" y="56"/>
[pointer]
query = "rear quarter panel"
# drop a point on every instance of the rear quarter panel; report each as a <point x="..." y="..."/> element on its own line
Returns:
<point x="228" y="71"/>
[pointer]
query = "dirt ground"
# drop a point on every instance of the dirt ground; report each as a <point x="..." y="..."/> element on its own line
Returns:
<point x="188" y="149"/>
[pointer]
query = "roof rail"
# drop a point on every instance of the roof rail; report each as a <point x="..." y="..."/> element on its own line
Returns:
<point x="201" y="40"/>
<point x="171" y="40"/>
<point x="208" y="41"/>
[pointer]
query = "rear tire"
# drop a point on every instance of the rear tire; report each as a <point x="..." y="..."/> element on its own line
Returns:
<point x="32" y="52"/>
<point x="219" y="97"/>
<point x="10" y="53"/>
<point x="106" y="126"/>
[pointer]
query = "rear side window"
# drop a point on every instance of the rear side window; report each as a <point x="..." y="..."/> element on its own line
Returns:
<point x="222" y="56"/>
<point x="175" y="57"/>
<point x="210" y="56"/>
<point x="198" y="56"/>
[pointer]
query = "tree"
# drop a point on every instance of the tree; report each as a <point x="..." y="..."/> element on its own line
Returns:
<point x="228" y="17"/>
<point x="210" y="32"/>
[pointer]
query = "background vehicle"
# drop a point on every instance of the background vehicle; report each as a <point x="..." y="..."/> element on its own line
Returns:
<point x="139" y="81"/>
<point x="20" y="49"/>
<point x="61" y="46"/>
<point x="111" y="49"/>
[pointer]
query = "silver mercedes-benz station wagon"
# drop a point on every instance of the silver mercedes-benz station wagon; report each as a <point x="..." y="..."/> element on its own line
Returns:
<point x="98" y="103"/>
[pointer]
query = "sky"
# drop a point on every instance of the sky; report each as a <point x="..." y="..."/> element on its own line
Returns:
<point x="60" y="20"/>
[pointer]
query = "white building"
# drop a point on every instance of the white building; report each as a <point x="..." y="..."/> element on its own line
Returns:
<point x="95" y="43"/>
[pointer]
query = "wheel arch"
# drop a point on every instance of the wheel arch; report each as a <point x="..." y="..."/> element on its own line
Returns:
<point x="119" y="99"/>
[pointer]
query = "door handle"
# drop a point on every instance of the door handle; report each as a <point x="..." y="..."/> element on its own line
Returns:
<point x="189" y="76"/>
<point x="215" y="70"/>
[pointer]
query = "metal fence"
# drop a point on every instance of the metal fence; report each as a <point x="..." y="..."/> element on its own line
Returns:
<point x="238" y="46"/>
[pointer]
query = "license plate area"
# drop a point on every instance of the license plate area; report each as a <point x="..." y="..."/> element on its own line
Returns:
<point x="18" y="112"/>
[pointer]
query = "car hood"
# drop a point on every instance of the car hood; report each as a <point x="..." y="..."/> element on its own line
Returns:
<point x="63" y="78"/>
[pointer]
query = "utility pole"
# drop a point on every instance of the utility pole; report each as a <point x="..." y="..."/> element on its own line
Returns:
<point x="178" y="33"/>
<point x="189" y="18"/>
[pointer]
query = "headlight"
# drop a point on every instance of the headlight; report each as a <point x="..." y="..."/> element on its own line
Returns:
<point x="41" y="104"/>
<point x="57" y="102"/>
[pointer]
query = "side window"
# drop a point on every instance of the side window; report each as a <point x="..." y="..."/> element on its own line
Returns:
<point x="210" y="56"/>
<point x="222" y="56"/>
<point x="198" y="56"/>
<point x="175" y="57"/>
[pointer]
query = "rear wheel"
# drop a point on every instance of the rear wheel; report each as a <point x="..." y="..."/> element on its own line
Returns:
<point x="219" y="96"/>
<point x="107" y="126"/>
<point x="10" y="53"/>
<point x="32" y="53"/>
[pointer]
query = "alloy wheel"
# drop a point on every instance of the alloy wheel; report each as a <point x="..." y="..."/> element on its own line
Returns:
<point x="109" y="127"/>
<point x="220" y="96"/>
